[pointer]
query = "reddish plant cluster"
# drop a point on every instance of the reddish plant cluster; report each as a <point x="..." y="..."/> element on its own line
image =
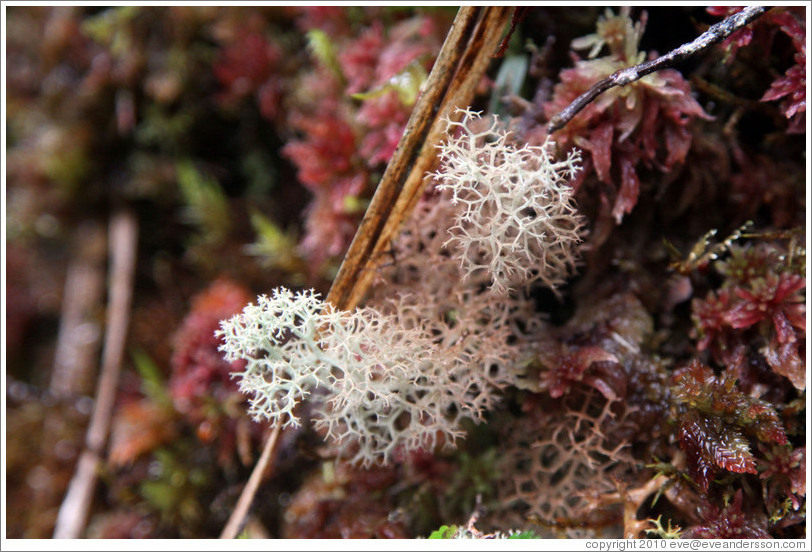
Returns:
<point x="606" y="414"/>
<point x="341" y="505"/>
<point x="730" y="521"/>
<point x="328" y="167"/>
<point x="784" y="473"/>
<point x="249" y="66"/>
<point x="597" y="348"/>
<point x="648" y="123"/>
<point x="593" y="366"/>
<point x="791" y="87"/>
<point x="344" y="112"/>
<point x="753" y="324"/>
<point x="344" y="142"/>
<point x="760" y="301"/>
<point x="715" y="421"/>
<point x="201" y="386"/>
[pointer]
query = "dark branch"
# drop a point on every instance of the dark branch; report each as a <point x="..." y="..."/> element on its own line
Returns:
<point x="714" y="34"/>
<point x="519" y="14"/>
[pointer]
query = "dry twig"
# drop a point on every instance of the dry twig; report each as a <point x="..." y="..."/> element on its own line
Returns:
<point x="75" y="359"/>
<point x="76" y="356"/>
<point x="73" y="512"/>
<point x="714" y="34"/>
<point x="262" y="469"/>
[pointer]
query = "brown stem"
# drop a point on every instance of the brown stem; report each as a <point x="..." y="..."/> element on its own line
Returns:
<point x="714" y="34"/>
<point x="76" y="356"/>
<point x="261" y="470"/>
<point x="73" y="512"/>
<point x="77" y="345"/>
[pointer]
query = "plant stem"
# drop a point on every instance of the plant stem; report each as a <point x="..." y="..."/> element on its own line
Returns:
<point x="264" y="464"/>
<point x="76" y="357"/>
<point x="73" y="512"/>
<point x="77" y="345"/>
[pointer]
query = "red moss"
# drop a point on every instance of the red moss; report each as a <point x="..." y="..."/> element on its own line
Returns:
<point x="713" y="330"/>
<point x="201" y="386"/>
<point x="331" y="19"/>
<point x="745" y="264"/>
<point x="787" y="360"/>
<point x="244" y="66"/>
<point x="327" y="150"/>
<point x="700" y="389"/>
<point x="714" y="421"/>
<point x="349" y="504"/>
<point x="198" y="368"/>
<point x="647" y="123"/>
<point x="759" y="308"/>
<point x="710" y="446"/>
<point x="774" y="298"/>
<point x="345" y="142"/>
<point x="359" y="59"/>
<point x="138" y="428"/>
<point x="784" y="473"/>
<point x="592" y="365"/>
<point x="729" y="522"/>
<point x="791" y="87"/>
<point x="386" y="118"/>
<point x="737" y="39"/>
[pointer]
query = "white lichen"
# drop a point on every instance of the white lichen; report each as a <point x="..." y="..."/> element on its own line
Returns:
<point x="374" y="386"/>
<point x="516" y="217"/>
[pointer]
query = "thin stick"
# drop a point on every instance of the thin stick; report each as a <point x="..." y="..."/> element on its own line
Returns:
<point x="714" y="34"/>
<point x="76" y="357"/>
<point x="73" y="512"/>
<point x="261" y="470"/>
<point x="77" y="348"/>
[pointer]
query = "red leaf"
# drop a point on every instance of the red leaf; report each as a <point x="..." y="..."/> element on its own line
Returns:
<point x="677" y="142"/>
<point x="708" y="444"/>
<point x="798" y="475"/>
<point x="601" y="147"/>
<point x="572" y="367"/>
<point x="629" y="191"/>
<point x="785" y="361"/>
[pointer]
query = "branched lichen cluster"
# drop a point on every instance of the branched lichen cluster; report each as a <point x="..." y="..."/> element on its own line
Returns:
<point x="516" y="218"/>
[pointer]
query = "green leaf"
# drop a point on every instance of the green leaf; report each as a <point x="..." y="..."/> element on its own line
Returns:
<point x="355" y="205"/>
<point x="524" y="535"/>
<point x="160" y="495"/>
<point x="509" y="80"/>
<point x="152" y="380"/>
<point x="444" y="532"/>
<point x="324" y="51"/>
<point x="109" y="28"/>
<point x="405" y="84"/>
<point x="206" y="204"/>
<point x="273" y="247"/>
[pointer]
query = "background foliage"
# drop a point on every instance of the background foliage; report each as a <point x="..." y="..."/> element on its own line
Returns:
<point x="668" y="382"/>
